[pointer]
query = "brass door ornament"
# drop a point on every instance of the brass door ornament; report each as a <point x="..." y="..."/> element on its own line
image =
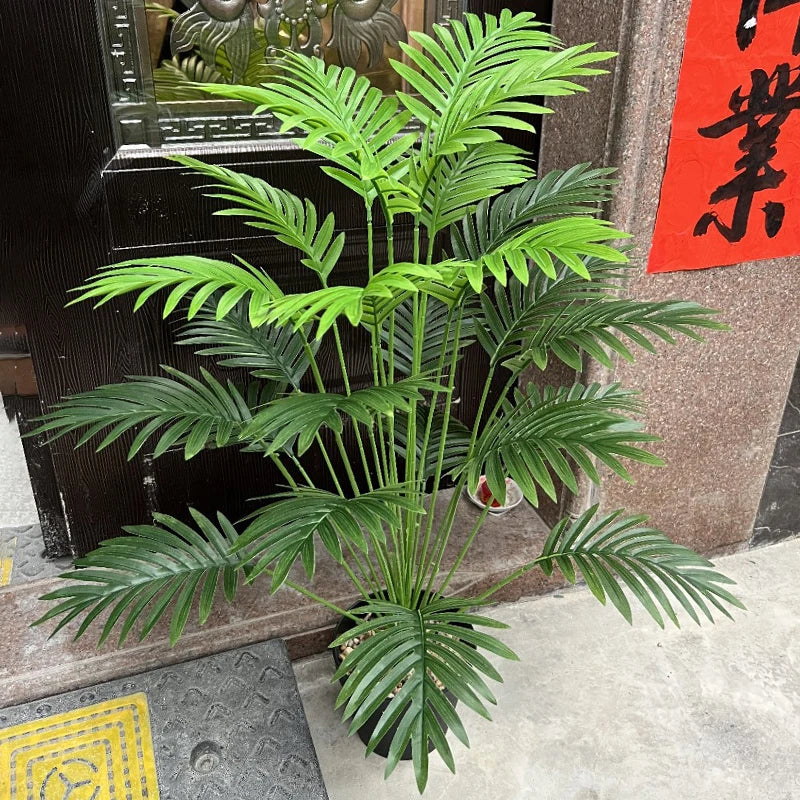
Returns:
<point x="212" y="24"/>
<point x="302" y="17"/>
<point x="367" y="22"/>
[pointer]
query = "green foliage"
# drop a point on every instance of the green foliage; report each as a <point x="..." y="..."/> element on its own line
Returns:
<point x="153" y="572"/>
<point x="181" y="410"/>
<point x="284" y="531"/>
<point x="438" y="336"/>
<point x="435" y="153"/>
<point x="558" y="430"/>
<point x="297" y="419"/>
<point x="184" y="275"/>
<point x="520" y="326"/>
<point x="417" y="647"/>
<point x="271" y="353"/>
<point x="289" y="219"/>
<point x="616" y="552"/>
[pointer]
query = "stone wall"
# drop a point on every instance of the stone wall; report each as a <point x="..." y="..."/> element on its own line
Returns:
<point x="717" y="405"/>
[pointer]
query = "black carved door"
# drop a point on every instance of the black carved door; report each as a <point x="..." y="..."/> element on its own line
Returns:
<point x="95" y="93"/>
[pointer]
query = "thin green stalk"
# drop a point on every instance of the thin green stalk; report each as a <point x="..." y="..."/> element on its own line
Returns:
<point x="518" y="573"/>
<point x="316" y="598"/>
<point x="443" y="534"/>
<point x="327" y="459"/>
<point x="346" y="380"/>
<point x="442" y="445"/>
<point x="370" y="242"/>
<point x="434" y="563"/>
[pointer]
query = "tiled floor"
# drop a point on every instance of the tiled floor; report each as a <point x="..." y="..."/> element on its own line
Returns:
<point x="22" y="552"/>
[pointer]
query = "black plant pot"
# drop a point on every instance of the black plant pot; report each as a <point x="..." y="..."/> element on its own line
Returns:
<point x="366" y="730"/>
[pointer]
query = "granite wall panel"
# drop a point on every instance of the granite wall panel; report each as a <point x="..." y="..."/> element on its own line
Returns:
<point x="718" y="406"/>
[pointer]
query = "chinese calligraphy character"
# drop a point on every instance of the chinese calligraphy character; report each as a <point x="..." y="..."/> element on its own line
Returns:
<point x="761" y="112"/>
<point x="748" y="21"/>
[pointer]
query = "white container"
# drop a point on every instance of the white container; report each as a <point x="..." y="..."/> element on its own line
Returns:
<point x="514" y="497"/>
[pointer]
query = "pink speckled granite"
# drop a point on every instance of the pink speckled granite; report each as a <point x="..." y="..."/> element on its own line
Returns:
<point x="717" y="406"/>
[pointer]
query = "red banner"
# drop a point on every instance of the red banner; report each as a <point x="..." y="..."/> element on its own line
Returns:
<point x="731" y="191"/>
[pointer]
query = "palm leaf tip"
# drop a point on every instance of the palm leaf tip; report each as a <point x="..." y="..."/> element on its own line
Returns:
<point x="615" y="552"/>
<point x="420" y="651"/>
<point x="157" y="572"/>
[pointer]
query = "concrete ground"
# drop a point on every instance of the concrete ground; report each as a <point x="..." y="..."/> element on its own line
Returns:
<point x="596" y="710"/>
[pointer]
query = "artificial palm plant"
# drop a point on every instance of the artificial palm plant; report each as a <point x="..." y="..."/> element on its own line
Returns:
<point x="522" y="264"/>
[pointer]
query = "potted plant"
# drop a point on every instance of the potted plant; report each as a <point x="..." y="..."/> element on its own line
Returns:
<point x="522" y="264"/>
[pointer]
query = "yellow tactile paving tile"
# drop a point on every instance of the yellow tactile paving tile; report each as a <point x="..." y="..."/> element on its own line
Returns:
<point x="6" y="566"/>
<point x="7" y="549"/>
<point x="100" y="752"/>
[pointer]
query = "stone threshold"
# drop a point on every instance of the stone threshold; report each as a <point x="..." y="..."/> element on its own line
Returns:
<point x="33" y="666"/>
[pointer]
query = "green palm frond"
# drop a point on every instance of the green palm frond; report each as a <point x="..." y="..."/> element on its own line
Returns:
<point x="185" y="275"/>
<point x="370" y="304"/>
<point x="559" y="194"/>
<point x="545" y="221"/>
<point x="617" y="552"/>
<point x="540" y="431"/>
<point x="291" y="220"/>
<point x="286" y="530"/>
<point x="154" y="571"/>
<point x="474" y="77"/>
<point x="181" y="410"/>
<point x="269" y="352"/>
<point x="456" y="445"/>
<point x="344" y="119"/>
<point x="438" y="327"/>
<point x="458" y="182"/>
<point x="300" y="417"/>
<point x="520" y="327"/>
<point x="439" y="642"/>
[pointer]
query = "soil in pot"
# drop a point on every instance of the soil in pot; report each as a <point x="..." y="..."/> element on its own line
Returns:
<point x="366" y="730"/>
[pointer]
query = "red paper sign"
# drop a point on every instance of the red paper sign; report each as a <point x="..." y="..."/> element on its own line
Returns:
<point x="731" y="191"/>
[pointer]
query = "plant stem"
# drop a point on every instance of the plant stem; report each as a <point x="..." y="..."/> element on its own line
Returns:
<point x="518" y="573"/>
<point x="437" y="477"/>
<point x="346" y="380"/>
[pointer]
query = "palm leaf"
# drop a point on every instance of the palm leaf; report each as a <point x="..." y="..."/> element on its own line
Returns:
<point x="285" y="531"/>
<point x="616" y="552"/>
<point x="185" y="275"/>
<point x="522" y="325"/>
<point x="539" y="221"/>
<point x="458" y="182"/>
<point x="176" y="79"/>
<point x="370" y="304"/>
<point x="300" y="417"/>
<point x="269" y="352"/>
<point x="341" y="117"/>
<point x="155" y="571"/>
<point x="181" y="410"/>
<point x="291" y="220"/>
<point x="438" y="328"/>
<point x="417" y="648"/>
<point x="557" y="195"/>
<point x="542" y="430"/>
<point x="470" y="78"/>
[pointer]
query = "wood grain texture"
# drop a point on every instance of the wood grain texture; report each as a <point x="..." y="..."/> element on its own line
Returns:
<point x="73" y="203"/>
